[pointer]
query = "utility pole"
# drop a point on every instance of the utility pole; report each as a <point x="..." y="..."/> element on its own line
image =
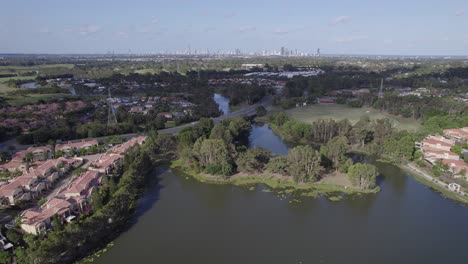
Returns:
<point x="111" y="117"/>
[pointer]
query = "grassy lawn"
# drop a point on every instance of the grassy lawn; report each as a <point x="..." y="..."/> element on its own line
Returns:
<point x="18" y="100"/>
<point x="35" y="67"/>
<point x="311" y="113"/>
<point x="145" y="71"/>
<point x="5" y="88"/>
<point x="170" y="124"/>
<point x="6" y="79"/>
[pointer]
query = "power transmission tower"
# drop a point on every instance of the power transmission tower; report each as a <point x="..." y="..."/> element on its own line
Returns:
<point x="111" y="117"/>
<point x="381" y="88"/>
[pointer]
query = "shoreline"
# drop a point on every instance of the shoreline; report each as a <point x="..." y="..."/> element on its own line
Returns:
<point x="434" y="186"/>
<point x="331" y="191"/>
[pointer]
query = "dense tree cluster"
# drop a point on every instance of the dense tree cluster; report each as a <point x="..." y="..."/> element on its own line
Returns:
<point x="377" y="137"/>
<point x="363" y="175"/>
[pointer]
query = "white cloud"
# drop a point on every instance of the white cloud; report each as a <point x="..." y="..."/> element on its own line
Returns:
<point x="230" y="15"/>
<point x="460" y="12"/>
<point x="280" y="31"/>
<point x="340" y="20"/>
<point x="85" y="30"/>
<point x="44" y="31"/>
<point x="155" y="21"/>
<point x="388" y="41"/>
<point x="349" y="39"/>
<point x="246" y="29"/>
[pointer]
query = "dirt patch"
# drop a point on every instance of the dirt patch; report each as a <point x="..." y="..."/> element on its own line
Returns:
<point x="336" y="178"/>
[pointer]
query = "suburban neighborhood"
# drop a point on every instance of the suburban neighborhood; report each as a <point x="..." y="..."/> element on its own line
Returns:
<point x="39" y="176"/>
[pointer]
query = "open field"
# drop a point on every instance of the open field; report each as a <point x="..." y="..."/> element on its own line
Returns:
<point x="34" y="68"/>
<point x="26" y="70"/>
<point x="311" y="113"/>
<point x="18" y="100"/>
<point x="6" y="79"/>
<point x="5" y="88"/>
<point x="145" y="71"/>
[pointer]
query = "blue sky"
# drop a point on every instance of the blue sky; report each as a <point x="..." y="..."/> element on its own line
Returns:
<point x="409" y="27"/>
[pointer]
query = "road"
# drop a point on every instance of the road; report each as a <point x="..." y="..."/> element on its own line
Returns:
<point x="248" y="111"/>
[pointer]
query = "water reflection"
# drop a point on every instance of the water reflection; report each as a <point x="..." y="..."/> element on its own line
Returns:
<point x="262" y="136"/>
<point x="223" y="103"/>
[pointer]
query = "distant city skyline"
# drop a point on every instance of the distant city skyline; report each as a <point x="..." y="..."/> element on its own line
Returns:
<point x="181" y="26"/>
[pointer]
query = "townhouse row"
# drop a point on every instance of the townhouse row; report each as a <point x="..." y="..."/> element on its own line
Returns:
<point x="35" y="181"/>
<point x="438" y="147"/>
<point x="75" y="198"/>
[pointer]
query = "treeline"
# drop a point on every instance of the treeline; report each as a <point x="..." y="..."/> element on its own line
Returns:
<point x="239" y="93"/>
<point x="113" y="206"/>
<point x="378" y="137"/>
<point x="222" y="151"/>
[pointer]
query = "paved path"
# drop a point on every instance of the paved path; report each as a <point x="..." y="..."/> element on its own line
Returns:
<point x="433" y="180"/>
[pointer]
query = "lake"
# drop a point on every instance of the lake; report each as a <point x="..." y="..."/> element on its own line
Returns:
<point x="180" y="220"/>
<point x="29" y="85"/>
<point x="223" y="103"/>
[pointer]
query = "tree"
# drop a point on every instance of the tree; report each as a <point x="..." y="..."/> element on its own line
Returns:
<point x="345" y="167"/>
<point x="13" y="236"/>
<point x="59" y="153"/>
<point x="253" y="160"/>
<point x="280" y="118"/>
<point x="399" y="147"/>
<point x="52" y="147"/>
<point x="57" y="223"/>
<point x="304" y="164"/>
<point x="362" y="131"/>
<point x="5" y="257"/>
<point x="261" y="111"/>
<point x="278" y="165"/>
<point x="363" y="175"/>
<point x="82" y="151"/>
<point x="96" y="200"/>
<point x="335" y="150"/>
<point x="383" y="128"/>
<point x="29" y="157"/>
<point x="212" y="155"/>
<point x="166" y="142"/>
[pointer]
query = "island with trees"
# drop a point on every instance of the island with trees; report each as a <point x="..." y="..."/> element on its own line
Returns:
<point x="219" y="154"/>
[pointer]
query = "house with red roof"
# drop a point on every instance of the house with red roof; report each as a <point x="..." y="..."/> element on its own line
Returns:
<point x="457" y="133"/>
<point x="13" y="166"/>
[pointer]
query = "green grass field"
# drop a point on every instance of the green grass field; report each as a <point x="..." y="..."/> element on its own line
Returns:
<point x="19" y="100"/>
<point x="337" y="112"/>
<point x="5" y="88"/>
<point x="6" y="79"/>
<point x="34" y="68"/>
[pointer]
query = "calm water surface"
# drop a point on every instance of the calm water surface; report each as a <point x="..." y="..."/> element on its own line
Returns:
<point x="181" y="221"/>
<point x="223" y="103"/>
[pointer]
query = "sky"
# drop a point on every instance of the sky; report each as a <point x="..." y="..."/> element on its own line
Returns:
<point x="396" y="27"/>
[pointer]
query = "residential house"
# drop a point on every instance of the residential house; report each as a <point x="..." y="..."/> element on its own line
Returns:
<point x="106" y="163"/>
<point x="458" y="167"/>
<point x="76" y="146"/>
<point x="11" y="193"/>
<point x="38" y="153"/>
<point x="457" y="133"/>
<point x="13" y="166"/>
<point x="37" y="221"/>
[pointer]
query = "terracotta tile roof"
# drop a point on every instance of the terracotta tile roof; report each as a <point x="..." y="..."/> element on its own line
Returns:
<point x="77" y="145"/>
<point x="82" y="183"/>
